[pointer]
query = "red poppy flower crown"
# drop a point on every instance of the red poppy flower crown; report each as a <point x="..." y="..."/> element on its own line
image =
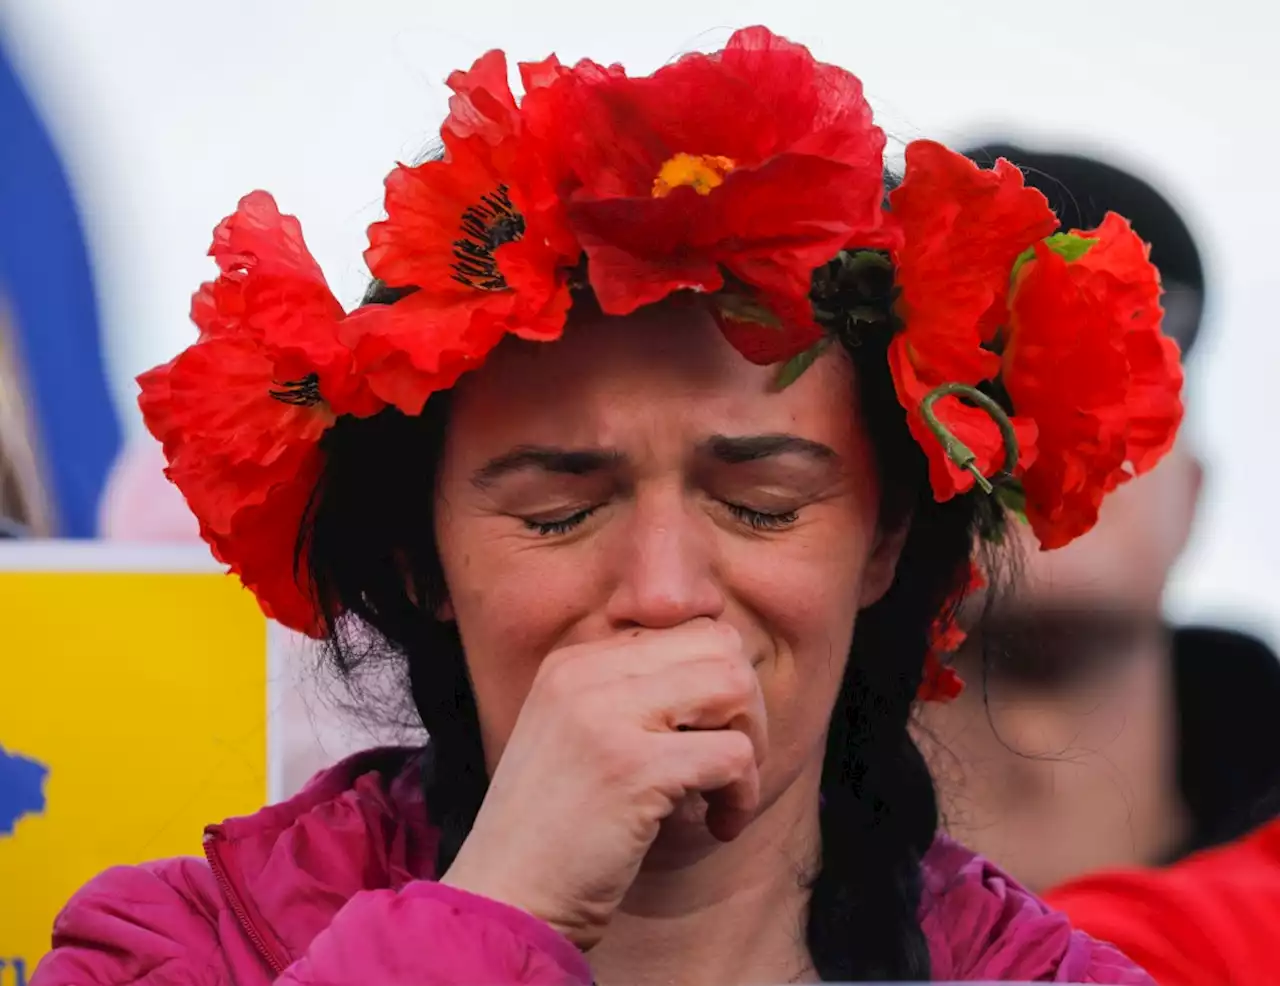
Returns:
<point x="1030" y="361"/>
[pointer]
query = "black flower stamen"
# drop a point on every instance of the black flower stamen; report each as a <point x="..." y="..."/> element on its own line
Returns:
<point x="300" y="393"/>
<point x="485" y="226"/>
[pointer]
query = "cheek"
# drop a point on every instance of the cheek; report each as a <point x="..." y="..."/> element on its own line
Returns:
<point x="793" y="596"/>
<point x="513" y="604"/>
<point x="802" y="592"/>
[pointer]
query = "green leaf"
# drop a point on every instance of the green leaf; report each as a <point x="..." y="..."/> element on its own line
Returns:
<point x="867" y="258"/>
<point x="746" y="309"/>
<point x="794" y="367"/>
<point x="1068" y="246"/>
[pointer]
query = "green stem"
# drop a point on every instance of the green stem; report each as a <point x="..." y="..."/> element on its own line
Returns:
<point x="957" y="451"/>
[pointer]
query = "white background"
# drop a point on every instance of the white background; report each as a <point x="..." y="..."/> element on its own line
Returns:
<point x="166" y="111"/>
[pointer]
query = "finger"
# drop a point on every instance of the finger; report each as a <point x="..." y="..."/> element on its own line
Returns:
<point x="731" y="809"/>
<point x="704" y="694"/>
<point x="735" y="701"/>
<point x="720" y="765"/>
<point x="641" y="653"/>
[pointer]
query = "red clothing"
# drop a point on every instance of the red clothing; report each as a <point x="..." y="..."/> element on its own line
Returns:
<point x="1212" y="919"/>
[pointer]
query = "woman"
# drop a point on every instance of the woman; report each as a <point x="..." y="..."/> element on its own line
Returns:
<point x="663" y="609"/>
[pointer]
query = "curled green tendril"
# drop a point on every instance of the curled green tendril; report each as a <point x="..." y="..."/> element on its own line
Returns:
<point x="957" y="451"/>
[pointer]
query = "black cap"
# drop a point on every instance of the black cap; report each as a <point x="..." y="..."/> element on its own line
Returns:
<point x="1081" y="190"/>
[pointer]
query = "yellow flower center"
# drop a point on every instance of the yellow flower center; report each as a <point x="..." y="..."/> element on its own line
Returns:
<point x="701" y="172"/>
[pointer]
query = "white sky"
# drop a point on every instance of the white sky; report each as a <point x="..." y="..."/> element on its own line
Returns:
<point x="167" y="112"/>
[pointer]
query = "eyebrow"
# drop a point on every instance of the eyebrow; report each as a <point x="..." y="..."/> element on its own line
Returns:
<point x="752" y="448"/>
<point x="548" y="458"/>
<point x="731" y="450"/>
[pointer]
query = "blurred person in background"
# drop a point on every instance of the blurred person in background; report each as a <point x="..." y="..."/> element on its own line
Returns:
<point x="1105" y="738"/>
<point x="24" y="505"/>
<point x="1211" y="919"/>
<point x="60" y="430"/>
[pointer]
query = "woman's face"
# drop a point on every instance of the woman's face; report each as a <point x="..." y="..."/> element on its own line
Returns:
<point x="640" y="473"/>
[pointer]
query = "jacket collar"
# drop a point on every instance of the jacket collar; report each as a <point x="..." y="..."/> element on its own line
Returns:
<point x="288" y="869"/>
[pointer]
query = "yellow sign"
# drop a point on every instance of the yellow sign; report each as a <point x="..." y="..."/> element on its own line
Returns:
<point x="134" y="713"/>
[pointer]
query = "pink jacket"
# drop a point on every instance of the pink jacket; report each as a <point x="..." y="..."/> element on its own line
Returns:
<point x="334" y="887"/>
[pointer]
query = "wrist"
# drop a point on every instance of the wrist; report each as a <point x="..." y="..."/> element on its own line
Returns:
<point x="482" y="882"/>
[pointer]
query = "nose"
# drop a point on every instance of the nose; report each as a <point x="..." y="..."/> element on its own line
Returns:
<point x="664" y="561"/>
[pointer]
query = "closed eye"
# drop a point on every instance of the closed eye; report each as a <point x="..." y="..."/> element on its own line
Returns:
<point x="757" y="520"/>
<point x="560" y="525"/>
<point x="761" y="520"/>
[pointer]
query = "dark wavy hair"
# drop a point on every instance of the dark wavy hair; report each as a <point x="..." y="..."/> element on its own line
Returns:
<point x="369" y="551"/>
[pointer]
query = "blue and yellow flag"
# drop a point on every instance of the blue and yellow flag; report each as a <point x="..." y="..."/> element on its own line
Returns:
<point x="134" y="713"/>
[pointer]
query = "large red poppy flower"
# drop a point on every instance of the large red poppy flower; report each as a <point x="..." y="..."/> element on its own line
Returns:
<point x="221" y="401"/>
<point x="244" y="452"/>
<point x="266" y="548"/>
<point x="482" y="103"/>
<point x="1086" y="359"/>
<point x="1154" y="402"/>
<point x="757" y="160"/>
<point x="483" y="106"/>
<point x="480" y="236"/>
<point x="459" y="231"/>
<point x="958" y="230"/>
<point x="240" y="413"/>
<point x="286" y="290"/>
<point x="410" y="350"/>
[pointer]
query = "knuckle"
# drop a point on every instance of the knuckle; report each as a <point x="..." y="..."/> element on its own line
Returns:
<point x="727" y="633"/>
<point x="621" y="761"/>
<point x="737" y="679"/>
<point x="557" y="678"/>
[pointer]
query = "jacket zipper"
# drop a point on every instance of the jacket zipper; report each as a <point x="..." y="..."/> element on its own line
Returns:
<point x="237" y="907"/>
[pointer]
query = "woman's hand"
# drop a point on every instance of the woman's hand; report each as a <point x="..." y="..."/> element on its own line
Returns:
<point x="611" y="738"/>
